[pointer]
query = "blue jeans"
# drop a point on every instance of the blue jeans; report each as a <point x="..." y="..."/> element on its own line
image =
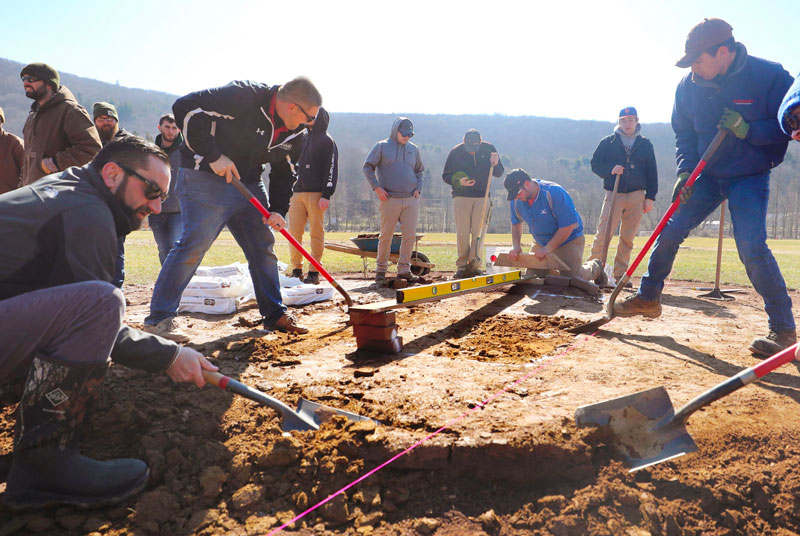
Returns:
<point x="208" y="204"/>
<point x="167" y="228"/>
<point x="747" y="201"/>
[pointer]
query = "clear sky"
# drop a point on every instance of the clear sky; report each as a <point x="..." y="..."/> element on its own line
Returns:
<point x="555" y="58"/>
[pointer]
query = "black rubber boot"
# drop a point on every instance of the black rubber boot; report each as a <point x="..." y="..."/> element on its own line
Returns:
<point x="47" y="468"/>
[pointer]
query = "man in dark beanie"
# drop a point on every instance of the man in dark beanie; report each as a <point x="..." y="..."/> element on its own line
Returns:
<point x="58" y="132"/>
<point x="12" y="156"/>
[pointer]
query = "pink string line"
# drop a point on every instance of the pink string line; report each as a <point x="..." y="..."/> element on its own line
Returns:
<point x="421" y="441"/>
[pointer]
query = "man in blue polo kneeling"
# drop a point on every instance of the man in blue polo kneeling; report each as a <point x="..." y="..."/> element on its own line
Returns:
<point x="556" y="226"/>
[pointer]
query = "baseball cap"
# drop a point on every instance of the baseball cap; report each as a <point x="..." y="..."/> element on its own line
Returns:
<point x="630" y="110"/>
<point x="406" y="128"/>
<point x="704" y="35"/>
<point x="472" y="140"/>
<point x="514" y="182"/>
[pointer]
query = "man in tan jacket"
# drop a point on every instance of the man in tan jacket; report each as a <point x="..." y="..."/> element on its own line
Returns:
<point x="11" y="158"/>
<point x="58" y="132"/>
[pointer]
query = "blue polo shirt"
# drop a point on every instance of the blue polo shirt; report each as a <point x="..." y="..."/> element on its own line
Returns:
<point x="552" y="209"/>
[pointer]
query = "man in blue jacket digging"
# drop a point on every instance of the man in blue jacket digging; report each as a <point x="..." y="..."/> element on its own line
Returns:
<point x="726" y="89"/>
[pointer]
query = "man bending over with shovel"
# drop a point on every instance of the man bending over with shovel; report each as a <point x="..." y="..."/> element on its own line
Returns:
<point x="60" y="319"/>
<point x="726" y="89"/>
<point x="553" y="221"/>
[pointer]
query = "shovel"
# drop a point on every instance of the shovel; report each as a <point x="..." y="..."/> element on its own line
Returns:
<point x="716" y="293"/>
<point x="264" y="212"/>
<point x="486" y="214"/>
<point x="609" y="229"/>
<point x="309" y="415"/>
<point x="645" y="426"/>
<point x="594" y="324"/>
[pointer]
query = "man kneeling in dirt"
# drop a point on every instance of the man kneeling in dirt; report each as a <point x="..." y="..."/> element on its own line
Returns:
<point x="60" y="319"/>
<point x="553" y="221"/>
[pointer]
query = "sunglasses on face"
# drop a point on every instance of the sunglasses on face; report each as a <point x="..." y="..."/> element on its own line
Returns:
<point x="29" y="79"/>
<point x="152" y="190"/>
<point x="406" y="133"/>
<point x="309" y="119"/>
<point x="793" y="121"/>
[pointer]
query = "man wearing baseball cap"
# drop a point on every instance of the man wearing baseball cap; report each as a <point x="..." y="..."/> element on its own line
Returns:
<point x="726" y="89"/>
<point x="630" y="156"/>
<point x="556" y="226"/>
<point x="58" y="132"/>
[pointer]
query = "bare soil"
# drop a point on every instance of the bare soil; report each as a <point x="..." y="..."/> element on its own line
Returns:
<point x="221" y="464"/>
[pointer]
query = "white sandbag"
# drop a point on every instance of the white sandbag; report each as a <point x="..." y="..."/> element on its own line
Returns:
<point x="219" y="287"/>
<point x="211" y="306"/>
<point x="235" y="269"/>
<point x="303" y="294"/>
<point x="490" y="255"/>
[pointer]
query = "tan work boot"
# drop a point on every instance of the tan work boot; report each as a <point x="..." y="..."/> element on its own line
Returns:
<point x="169" y="329"/>
<point x="286" y="323"/>
<point x="634" y="306"/>
<point x="773" y="343"/>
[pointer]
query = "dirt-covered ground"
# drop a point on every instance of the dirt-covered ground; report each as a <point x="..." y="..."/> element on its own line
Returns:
<point x="221" y="464"/>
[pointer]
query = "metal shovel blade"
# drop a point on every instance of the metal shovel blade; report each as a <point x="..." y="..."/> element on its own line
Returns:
<point x="642" y="427"/>
<point x="318" y="414"/>
<point x="590" y="327"/>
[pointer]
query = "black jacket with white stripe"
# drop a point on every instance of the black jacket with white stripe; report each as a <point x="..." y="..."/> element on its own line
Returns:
<point x="239" y="121"/>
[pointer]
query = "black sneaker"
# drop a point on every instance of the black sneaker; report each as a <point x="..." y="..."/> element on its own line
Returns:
<point x="773" y="343"/>
<point x="312" y="278"/>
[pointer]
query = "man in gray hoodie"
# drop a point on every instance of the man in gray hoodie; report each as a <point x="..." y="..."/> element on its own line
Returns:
<point x="394" y="171"/>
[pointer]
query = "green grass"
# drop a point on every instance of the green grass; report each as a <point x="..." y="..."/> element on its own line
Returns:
<point x="695" y="261"/>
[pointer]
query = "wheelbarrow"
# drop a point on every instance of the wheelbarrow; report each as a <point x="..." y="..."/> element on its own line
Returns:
<point x="366" y="247"/>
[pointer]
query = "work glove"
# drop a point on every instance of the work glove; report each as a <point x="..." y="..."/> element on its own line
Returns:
<point x="733" y="121"/>
<point x="676" y="190"/>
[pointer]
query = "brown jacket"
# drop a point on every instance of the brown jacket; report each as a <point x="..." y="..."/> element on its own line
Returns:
<point x="12" y="157"/>
<point x="59" y="129"/>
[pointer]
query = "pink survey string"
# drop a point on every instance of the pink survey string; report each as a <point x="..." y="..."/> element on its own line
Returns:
<point x="432" y="434"/>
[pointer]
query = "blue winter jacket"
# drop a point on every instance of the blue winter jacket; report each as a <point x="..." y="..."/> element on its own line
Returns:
<point x="791" y="100"/>
<point x="753" y="87"/>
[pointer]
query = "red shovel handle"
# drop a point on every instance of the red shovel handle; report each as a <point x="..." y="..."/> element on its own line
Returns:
<point x="256" y="203"/>
<point x="712" y="148"/>
<point x="777" y="360"/>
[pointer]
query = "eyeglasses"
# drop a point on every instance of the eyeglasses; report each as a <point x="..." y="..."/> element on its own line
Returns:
<point x="792" y="121"/>
<point x="406" y="134"/>
<point x="309" y="119"/>
<point x="152" y="191"/>
<point x="29" y="79"/>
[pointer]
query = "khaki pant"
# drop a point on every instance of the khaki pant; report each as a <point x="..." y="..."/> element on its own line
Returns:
<point x="468" y="214"/>
<point x="406" y="211"/>
<point x="572" y="254"/>
<point x="629" y="209"/>
<point x="304" y="206"/>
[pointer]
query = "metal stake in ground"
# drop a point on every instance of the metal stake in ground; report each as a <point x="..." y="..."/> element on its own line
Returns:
<point x="716" y="293"/>
<point x="644" y="424"/>
<point x="594" y="324"/>
<point x="256" y="203"/>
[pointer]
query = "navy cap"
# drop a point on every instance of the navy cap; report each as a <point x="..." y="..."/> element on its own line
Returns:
<point x="406" y="128"/>
<point x="630" y="110"/>
<point x="472" y="140"/>
<point x="514" y="182"/>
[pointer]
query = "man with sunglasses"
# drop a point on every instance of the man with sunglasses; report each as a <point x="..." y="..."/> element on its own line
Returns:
<point x="231" y="132"/>
<point x="60" y="320"/>
<point x="726" y="89"/>
<point x="58" y="132"/>
<point x="394" y="171"/>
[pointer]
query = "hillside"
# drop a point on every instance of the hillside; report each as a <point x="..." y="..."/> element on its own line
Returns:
<point x="553" y="149"/>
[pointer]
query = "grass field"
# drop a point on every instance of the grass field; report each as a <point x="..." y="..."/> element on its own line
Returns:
<point x="695" y="261"/>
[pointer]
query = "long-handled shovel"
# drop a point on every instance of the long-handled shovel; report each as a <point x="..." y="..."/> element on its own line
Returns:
<point x="256" y="203"/>
<point x="716" y="293"/>
<point x="486" y="213"/>
<point x="308" y="416"/>
<point x="609" y="229"/>
<point x="647" y="429"/>
<point x="594" y="324"/>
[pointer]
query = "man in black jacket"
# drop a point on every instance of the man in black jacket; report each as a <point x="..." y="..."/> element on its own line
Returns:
<point x="232" y="131"/>
<point x="467" y="171"/>
<point x="629" y="155"/>
<point x="317" y="171"/>
<point x="60" y="319"/>
<point x="167" y="225"/>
